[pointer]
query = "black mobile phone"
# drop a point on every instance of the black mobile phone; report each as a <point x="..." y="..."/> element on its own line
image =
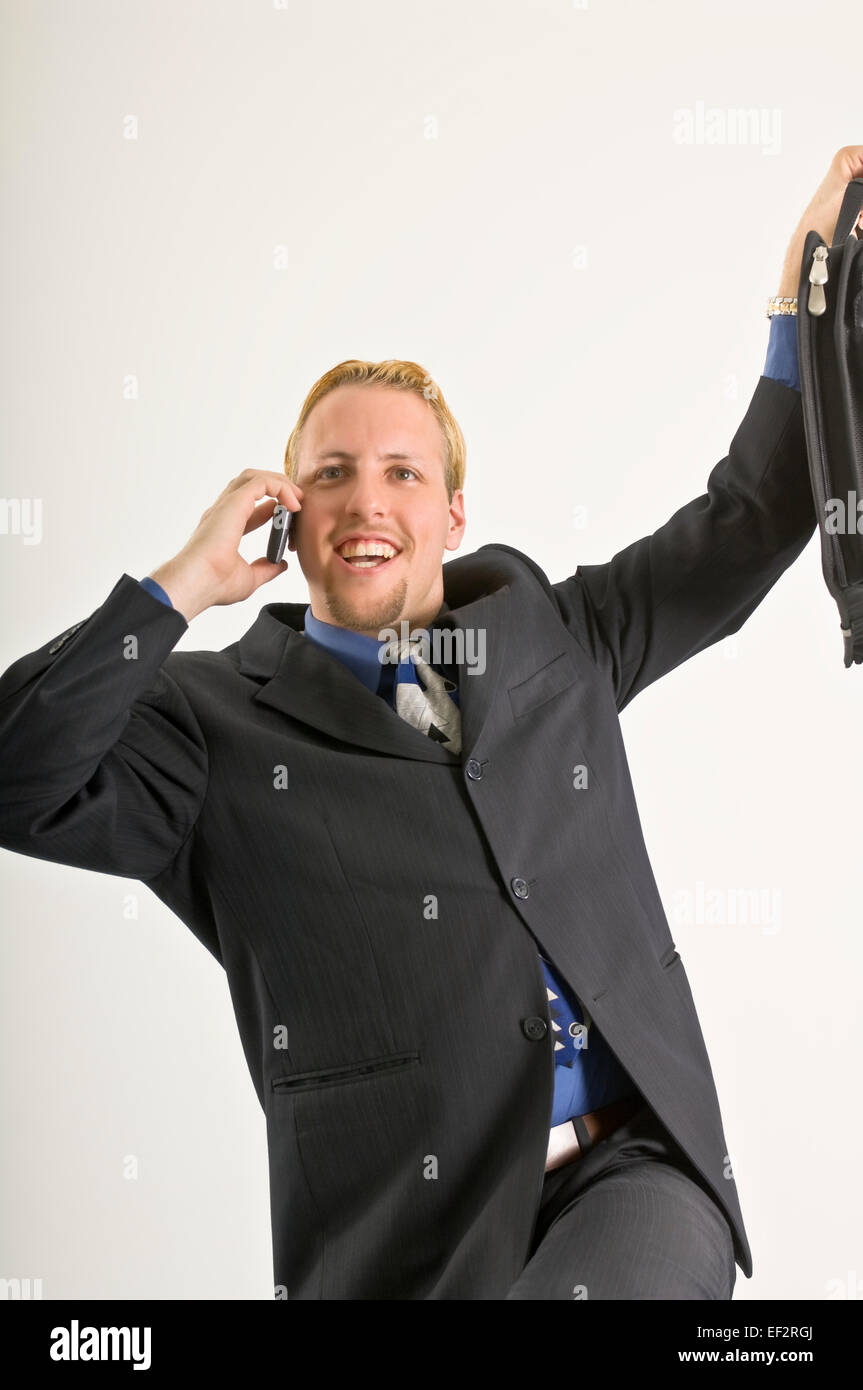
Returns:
<point x="280" y="533"/>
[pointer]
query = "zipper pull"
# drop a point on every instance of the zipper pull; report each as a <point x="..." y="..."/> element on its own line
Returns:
<point x="817" y="303"/>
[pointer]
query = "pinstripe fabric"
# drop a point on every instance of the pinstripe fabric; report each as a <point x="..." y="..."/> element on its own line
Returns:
<point x="378" y="902"/>
<point x="630" y="1220"/>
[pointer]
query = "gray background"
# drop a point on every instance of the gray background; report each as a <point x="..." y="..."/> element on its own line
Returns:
<point x="496" y="191"/>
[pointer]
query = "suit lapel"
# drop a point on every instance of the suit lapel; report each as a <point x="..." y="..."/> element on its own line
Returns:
<point x="303" y="680"/>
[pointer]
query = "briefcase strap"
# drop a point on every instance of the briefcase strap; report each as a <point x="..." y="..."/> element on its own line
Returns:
<point x="850" y="603"/>
<point x="849" y="212"/>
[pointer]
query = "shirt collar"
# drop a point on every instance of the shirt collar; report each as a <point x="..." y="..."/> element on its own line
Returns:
<point x="358" y="652"/>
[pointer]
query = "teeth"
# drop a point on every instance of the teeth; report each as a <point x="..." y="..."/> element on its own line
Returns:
<point x="360" y="548"/>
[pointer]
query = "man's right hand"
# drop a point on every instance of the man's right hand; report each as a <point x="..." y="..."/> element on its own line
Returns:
<point x="209" y="570"/>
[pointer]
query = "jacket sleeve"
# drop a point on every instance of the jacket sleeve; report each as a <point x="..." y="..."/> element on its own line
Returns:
<point x="102" y="762"/>
<point x="700" y="576"/>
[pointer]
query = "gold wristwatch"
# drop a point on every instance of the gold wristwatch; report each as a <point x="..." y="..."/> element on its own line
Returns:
<point x="781" y="304"/>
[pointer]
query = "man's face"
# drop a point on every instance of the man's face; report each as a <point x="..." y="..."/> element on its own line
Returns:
<point x="351" y="489"/>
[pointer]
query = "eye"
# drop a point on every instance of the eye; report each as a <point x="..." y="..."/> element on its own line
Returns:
<point x="335" y="467"/>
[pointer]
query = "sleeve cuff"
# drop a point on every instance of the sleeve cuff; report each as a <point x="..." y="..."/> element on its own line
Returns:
<point x="781" y="363"/>
<point x="156" y="590"/>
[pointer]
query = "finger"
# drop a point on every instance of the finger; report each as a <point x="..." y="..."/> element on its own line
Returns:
<point x="262" y="514"/>
<point x="258" y="488"/>
<point x="263" y="571"/>
<point x="264" y="479"/>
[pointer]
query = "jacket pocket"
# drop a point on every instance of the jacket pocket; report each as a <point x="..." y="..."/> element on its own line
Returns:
<point x="669" y="957"/>
<point x="339" y="1076"/>
<point x="558" y="675"/>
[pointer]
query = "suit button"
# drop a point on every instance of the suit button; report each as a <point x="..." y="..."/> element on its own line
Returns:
<point x="534" y="1028"/>
<point x="473" y="768"/>
<point x="520" y="888"/>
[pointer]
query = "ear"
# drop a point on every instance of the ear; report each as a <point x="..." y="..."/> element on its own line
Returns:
<point x="457" y="521"/>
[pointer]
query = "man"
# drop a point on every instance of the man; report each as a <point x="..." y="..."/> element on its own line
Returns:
<point x="400" y="817"/>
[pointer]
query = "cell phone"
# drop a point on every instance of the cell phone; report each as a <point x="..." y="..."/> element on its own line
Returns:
<point x="280" y="533"/>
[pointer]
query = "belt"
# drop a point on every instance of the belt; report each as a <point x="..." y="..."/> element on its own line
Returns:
<point x="575" y="1136"/>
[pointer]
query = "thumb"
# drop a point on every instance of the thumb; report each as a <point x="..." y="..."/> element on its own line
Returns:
<point x="264" y="570"/>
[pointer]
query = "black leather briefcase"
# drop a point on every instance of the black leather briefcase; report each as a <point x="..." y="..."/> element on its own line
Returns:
<point x="830" y="354"/>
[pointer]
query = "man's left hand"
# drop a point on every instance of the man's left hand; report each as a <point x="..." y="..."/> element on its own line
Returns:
<point x="822" y="214"/>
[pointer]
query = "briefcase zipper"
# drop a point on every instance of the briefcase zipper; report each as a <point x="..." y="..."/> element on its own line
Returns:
<point x="331" y="1075"/>
<point x="833" y="561"/>
<point x="816" y="301"/>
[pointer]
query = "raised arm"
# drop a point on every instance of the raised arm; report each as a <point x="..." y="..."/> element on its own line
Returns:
<point x="102" y="762"/>
<point x="700" y="576"/>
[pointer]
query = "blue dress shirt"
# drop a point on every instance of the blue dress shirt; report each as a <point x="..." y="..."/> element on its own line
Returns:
<point x="587" y="1075"/>
<point x="781" y="361"/>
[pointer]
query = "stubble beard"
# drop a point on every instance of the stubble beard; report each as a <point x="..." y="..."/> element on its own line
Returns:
<point x="370" y="615"/>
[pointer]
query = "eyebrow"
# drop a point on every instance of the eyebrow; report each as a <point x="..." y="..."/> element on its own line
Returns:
<point x="344" y="454"/>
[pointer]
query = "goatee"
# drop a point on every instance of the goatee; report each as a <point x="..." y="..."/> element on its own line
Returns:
<point x="369" y="615"/>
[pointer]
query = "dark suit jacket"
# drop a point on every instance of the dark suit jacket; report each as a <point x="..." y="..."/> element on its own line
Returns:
<point x="377" y="901"/>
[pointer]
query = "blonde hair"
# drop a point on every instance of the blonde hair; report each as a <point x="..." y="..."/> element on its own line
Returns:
<point x="407" y="376"/>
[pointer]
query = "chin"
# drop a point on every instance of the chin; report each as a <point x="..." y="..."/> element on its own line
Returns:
<point x="366" y="610"/>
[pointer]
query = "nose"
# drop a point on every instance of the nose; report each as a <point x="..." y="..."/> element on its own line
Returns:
<point x="364" y="500"/>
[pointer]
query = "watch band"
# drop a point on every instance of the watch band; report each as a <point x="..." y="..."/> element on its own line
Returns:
<point x="781" y="304"/>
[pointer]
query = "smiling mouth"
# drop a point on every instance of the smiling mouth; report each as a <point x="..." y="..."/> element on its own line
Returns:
<point x="364" y="563"/>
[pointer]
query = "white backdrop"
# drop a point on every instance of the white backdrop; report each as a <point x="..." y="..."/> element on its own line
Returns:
<point x="208" y="204"/>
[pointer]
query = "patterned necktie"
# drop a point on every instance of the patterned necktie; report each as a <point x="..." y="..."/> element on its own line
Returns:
<point x="425" y="702"/>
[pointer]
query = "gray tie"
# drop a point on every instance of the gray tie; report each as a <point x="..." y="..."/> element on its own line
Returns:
<point x="426" y="705"/>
